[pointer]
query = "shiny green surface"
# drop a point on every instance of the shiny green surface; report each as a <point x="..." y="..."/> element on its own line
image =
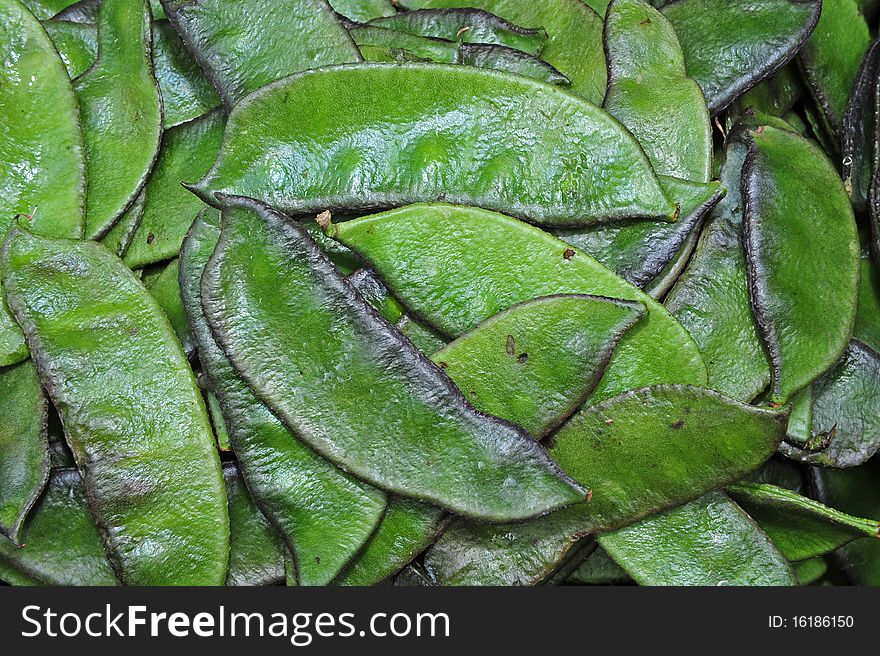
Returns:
<point x="640" y="452"/>
<point x="831" y="58"/>
<point x="638" y="251"/>
<point x="574" y="31"/>
<point x="466" y="25"/>
<point x="186" y="92"/>
<point x="323" y="515"/>
<point x="77" y="43"/>
<point x="462" y="134"/>
<point x="500" y="262"/>
<point x="44" y="9"/>
<point x="255" y="552"/>
<point x="800" y="527"/>
<point x="62" y="545"/>
<point x="378" y="44"/>
<point x="649" y="91"/>
<point x="166" y="290"/>
<point x="803" y="289"/>
<point x="187" y="152"/>
<point x="132" y="412"/>
<point x="242" y="46"/>
<point x="858" y="131"/>
<point x="468" y="462"/>
<point x="363" y="10"/>
<point x="121" y="112"/>
<point x="708" y="542"/>
<point x="867" y="328"/>
<point x="728" y="50"/>
<point x="846" y="411"/>
<point x="24" y="453"/>
<point x="119" y="237"/>
<point x="711" y="298"/>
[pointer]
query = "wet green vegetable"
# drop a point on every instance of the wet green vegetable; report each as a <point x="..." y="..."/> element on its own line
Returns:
<point x="363" y="10"/>
<point x="165" y="288"/>
<point x="243" y="45"/>
<point x="587" y="168"/>
<point x="151" y="478"/>
<point x="77" y="43"/>
<point x="121" y="111"/>
<point x="805" y="323"/>
<point x="480" y="466"/>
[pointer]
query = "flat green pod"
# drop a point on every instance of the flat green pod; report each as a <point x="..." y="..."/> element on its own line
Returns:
<point x="362" y="11"/>
<point x="323" y="515"/>
<point x="728" y="49"/>
<point x="221" y="433"/>
<point x="775" y="96"/>
<point x="77" y="43"/>
<point x="598" y="569"/>
<point x="42" y="172"/>
<point x="858" y="132"/>
<point x="378" y="44"/>
<point x="467" y="25"/>
<point x="119" y="237"/>
<point x="853" y="491"/>
<point x="480" y="466"/>
<point x="640" y="452"/>
<point x="24" y="447"/>
<point x="165" y="289"/>
<point x="708" y="542"/>
<point x="187" y="152"/>
<point x="11" y="576"/>
<point x="845" y="412"/>
<point x="452" y="133"/>
<point x="121" y="111"/>
<point x="84" y="11"/>
<point x="246" y="44"/>
<point x="803" y="290"/>
<point x="867" y="328"/>
<point x="810" y="571"/>
<point x="132" y="411"/>
<point x="574" y="36"/>
<point x="44" y="9"/>
<point x="255" y="552"/>
<point x="801" y="527"/>
<point x="501" y="262"/>
<point x="649" y="91"/>
<point x="62" y="546"/>
<point x="660" y="286"/>
<point x="639" y="251"/>
<point x="831" y="58"/>
<point x="533" y="364"/>
<point x="711" y="297"/>
<point x="186" y="92"/>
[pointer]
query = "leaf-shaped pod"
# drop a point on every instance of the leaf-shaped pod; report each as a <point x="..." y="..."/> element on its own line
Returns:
<point x="24" y="448"/>
<point x="649" y="91"/>
<point x="458" y="133"/>
<point x="710" y="541"/>
<point x="858" y="130"/>
<point x="711" y="298"/>
<point x="246" y="44"/>
<point x="323" y="514"/>
<point x="132" y="411"/>
<point x="378" y="44"/>
<point x="61" y="544"/>
<point x="165" y="288"/>
<point x="473" y="464"/>
<point x="830" y="59"/>
<point x="77" y="43"/>
<point x="574" y="36"/>
<point x="638" y="251"/>
<point x="44" y="9"/>
<point x="467" y="25"/>
<point x="501" y="262"/>
<point x="187" y="152"/>
<point x="803" y="289"/>
<point x="121" y="113"/>
<point x="845" y="412"/>
<point x="119" y="237"/>
<point x="800" y="527"/>
<point x="642" y="451"/>
<point x="728" y="49"/>
<point x="533" y="364"/>
<point x="867" y="328"/>
<point x="255" y="552"/>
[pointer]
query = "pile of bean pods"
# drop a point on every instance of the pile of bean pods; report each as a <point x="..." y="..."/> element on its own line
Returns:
<point x="439" y="292"/>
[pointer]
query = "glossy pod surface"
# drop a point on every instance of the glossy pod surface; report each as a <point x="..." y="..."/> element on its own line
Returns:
<point x="452" y="133"/>
<point x="109" y="359"/>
